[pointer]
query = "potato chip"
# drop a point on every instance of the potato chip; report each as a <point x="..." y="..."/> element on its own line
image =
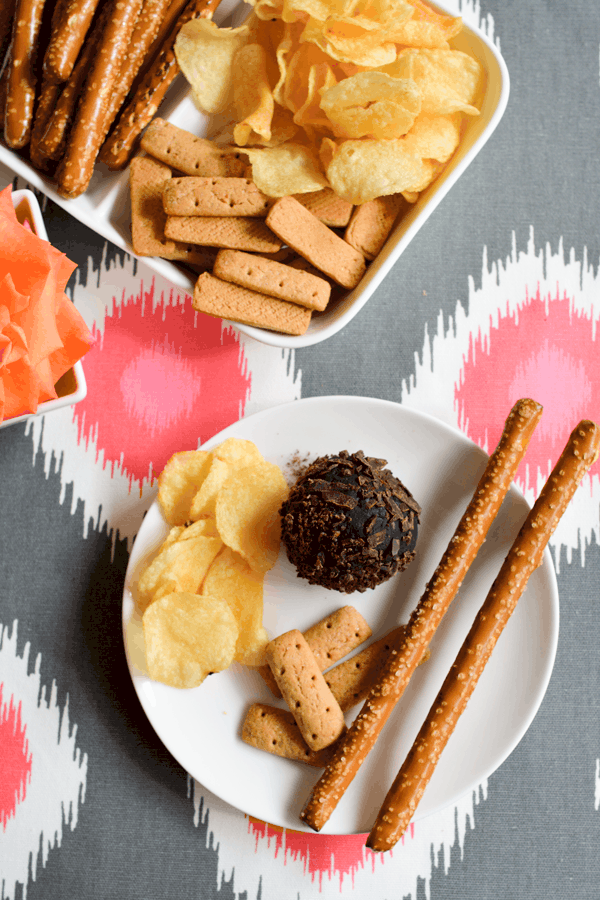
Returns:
<point x="205" y="54"/>
<point x="348" y="42"/>
<point x="188" y="637"/>
<point x="320" y="78"/>
<point x="448" y="80"/>
<point x="290" y="168"/>
<point x="283" y="128"/>
<point x="365" y="169"/>
<point x="179" y="481"/>
<point x="247" y="513"/>
<point x="372" y="103"/>
<point x="238" y="452"/>
<point x="434" y="137"/>
<point x="252" y="97"/>
<point x="426" y="28"/>
<point x="180" y="565"/>
<point x="231" y="577"/>
<point x="204" y="502"/>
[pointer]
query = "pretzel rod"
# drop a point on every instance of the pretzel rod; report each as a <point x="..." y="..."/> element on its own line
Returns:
<point x="20" y="94"/>
<point x="53" y="141"/>
<point x="146" y="28"/>
<point x="68" y="39"/>
<point x="77" y="165"/>
<point x="119" y="147"/>
<point x="523" y="559"/>
<point x="48" y="96"/>
<point x="408" y="651"/>
<point x="168" y="23"/>
<point x="7" y="11"/>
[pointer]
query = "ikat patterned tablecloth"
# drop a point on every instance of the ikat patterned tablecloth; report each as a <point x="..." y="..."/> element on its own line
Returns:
<point x="497" y="298"/>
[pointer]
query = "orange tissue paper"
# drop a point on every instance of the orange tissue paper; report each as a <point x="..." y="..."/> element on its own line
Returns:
<point x="41" y="333"/>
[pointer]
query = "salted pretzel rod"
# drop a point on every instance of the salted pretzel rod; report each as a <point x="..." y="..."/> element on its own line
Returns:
<point x="408" y="650"/>
<point x="523" y="559"/>
<point x="120" y="145"/>
<point x="22" y="79"/>
<point x="77" y="165"/>
<point x="7" y="11"/>
<point x="53" y="141"/>
<point x="47" y="98"/>
<point x="146" y="28"/>
<point x="68" y="39"/>
<point x="176" y="7"/>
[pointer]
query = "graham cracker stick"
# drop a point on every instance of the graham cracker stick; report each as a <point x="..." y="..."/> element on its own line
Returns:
<point x="439" y="593"/>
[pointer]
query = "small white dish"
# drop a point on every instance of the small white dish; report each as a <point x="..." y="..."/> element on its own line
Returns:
<point x="71" y="388"/>
<point x="201" y="727"/>
<point x="105" y="206"/>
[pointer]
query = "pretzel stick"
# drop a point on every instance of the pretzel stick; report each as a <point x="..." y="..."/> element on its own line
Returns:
<point x="68" y="39"/>
<point x="146" y="28"/>
<point x="7" y="11"/>
<point x="167" y="25"/>
<point x="46" y="101"/>
<point x="77" y="165"/>
<point x="523" y="559"/>
<point x="20" y="94"/>
<point x="120" y="146"/>
<point x="408" y="651"/>
<point x="53" y="142"/>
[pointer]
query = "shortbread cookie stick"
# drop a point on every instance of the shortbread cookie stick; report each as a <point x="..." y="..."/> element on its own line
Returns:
<point x="238" y="304"/>
<point x="190" y="154"/>
<point x="327" y="206"/>
<point x="22" y="80"/>
<point x="439" y="593"/>
<point x="147" y="178"/>
<point x="272" y="278"/>
<point x="303" y="688"/>
<point x="77" y="165"/>
<point x="313" y="240"/>
<point x="330" y="640"/>
<point x="146" y="28"/>
<point x="275" y="730"/>
<point x="68" y="39"/>
<point x="120" y="146"/>
<point x="523" y="559"/>
<point x="54" y="139"/>
<point x="372" y="222"/>
<point x="223" y="231"/>
<point x="214" y="196"/>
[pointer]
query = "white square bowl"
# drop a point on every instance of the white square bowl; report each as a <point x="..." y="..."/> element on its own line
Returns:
<point x="71" y="387"/>
<point x="105" y="206"/>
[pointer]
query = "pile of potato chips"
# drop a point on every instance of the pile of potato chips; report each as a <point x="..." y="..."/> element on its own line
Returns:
<point x="366" y="96"/>
<point x="201" y="596"/>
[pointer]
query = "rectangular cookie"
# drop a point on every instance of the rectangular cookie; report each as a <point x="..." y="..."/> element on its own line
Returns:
<point x="190" y="154"/>
<point x="146" y="179"/>
<point x="275" y="730"/>
<point x="272" y="278"/>
<point x="216" y="196"/>
<point x="317" y="243"/>
<point x="330" y="640"/>
<point x="327" y="206"/>
<point x="351" y="681"/>
<point x="230" y="301"/>
<point x="372" y="222"/>
<point x="304" y="689"/>
<point x="232" y="232"/>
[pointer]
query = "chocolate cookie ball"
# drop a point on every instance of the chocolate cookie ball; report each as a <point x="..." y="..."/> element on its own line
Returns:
<point x="349" y="524"/>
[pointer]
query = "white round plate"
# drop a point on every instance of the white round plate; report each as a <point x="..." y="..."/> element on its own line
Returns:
<point x="201" y="727"/>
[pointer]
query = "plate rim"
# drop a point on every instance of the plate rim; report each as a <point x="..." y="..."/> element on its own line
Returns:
<point x="547" y="565"/>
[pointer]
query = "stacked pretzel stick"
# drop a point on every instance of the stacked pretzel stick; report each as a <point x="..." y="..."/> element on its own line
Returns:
<point x="470" y="534"/>
<point x="523" y="558"/>
<point x="99" y="64"/>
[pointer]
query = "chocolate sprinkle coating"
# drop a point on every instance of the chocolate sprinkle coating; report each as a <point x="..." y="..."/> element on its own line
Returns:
<point x="348" y="523"/>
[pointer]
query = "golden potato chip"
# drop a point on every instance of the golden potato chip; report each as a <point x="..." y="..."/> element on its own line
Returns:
<point x="320" y="78"/>
<point x="179" y="481"/>
<point x="247" y="513"/>
<point x="290" y="168"/>
<point x="426" y="28"/>
<point x="366" y="169"/>
<point x="267" y="9"/>
<point x="231" y="577"/>
<point x="372" y="103"/>
<point x="316" y="9"/>
<point x="204" y="502"/>
<point x="434" y="137"/>
<point x="347" y="42"/>
<point x="252" y="97"/>
<point x="237" y="452"/>
<point x="448" y="80"/>
<point x="180" y="565"/>
<point x="188" y="637"/>
<point x="283" y="128"/>
<point x="205" y="54"/>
